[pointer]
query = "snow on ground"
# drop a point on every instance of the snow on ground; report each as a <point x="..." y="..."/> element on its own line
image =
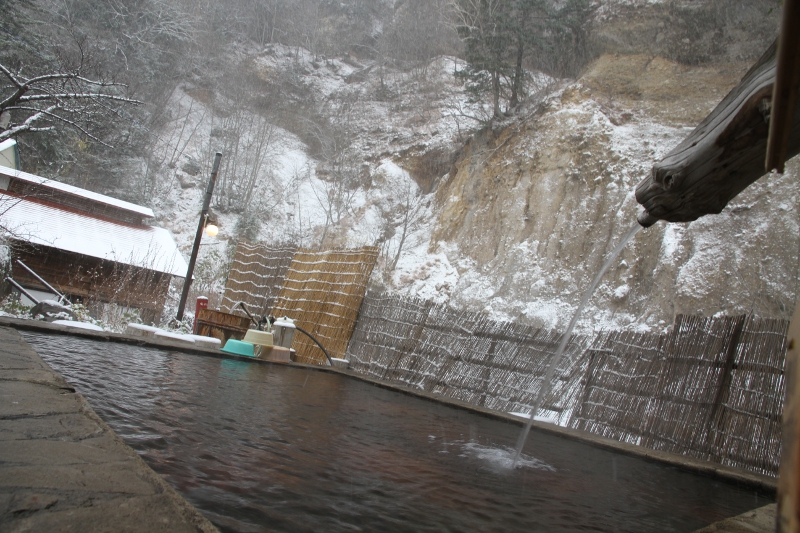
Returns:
<point x="536" y="290"/>
<point x="419" y="273"/>
<point x="298" y="199"/>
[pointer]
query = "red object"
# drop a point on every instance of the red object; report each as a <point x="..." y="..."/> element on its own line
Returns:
<point x="202" y="303"/>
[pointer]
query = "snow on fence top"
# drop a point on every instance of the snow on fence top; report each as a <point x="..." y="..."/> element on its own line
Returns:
<point x="146" y="247"/>
<point x="7" y="174"/>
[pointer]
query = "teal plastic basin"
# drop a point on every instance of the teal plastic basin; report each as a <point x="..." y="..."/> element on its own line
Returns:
<point x="239" y="348"/>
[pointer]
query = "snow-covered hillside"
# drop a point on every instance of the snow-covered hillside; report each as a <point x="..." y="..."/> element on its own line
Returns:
<point x="298" y="199"/>
<point x="513" y="220"/>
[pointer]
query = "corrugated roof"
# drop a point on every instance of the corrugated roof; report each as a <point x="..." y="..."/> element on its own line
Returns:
<point x="76" y="191"/>
<point x="142" y="246"/>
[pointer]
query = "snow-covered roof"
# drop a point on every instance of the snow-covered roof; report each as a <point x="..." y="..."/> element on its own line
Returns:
<point x="76" y="191"/>
<point x="142" y="246"/>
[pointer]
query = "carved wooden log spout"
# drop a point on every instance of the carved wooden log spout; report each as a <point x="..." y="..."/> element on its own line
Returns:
<point x="721" y="157"/>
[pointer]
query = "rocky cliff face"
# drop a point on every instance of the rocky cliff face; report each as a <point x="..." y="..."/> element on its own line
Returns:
<point x="531" y="209"/>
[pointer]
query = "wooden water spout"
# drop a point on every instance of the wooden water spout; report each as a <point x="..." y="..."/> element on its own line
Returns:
<point x="722" y="156"/>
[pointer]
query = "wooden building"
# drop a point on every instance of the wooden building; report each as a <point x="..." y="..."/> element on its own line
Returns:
<point x="91" y="247"/>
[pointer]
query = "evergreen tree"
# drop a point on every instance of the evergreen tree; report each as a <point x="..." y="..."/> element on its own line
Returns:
<point x="529" y="21"/>
<point x="501" y="36"/>
<point x="485" y="27"/>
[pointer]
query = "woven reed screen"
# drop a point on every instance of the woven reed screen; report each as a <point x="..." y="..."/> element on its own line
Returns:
<point x="463" y="355"/>
<point x="712" y="388"/>
<point x="322" y="292"/>
<point x="256" y="276"/>
<point x="620" y="381"/>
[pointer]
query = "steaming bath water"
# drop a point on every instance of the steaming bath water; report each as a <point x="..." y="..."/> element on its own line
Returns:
<point x="546" y="383"/>
<point x="261" y="447"/>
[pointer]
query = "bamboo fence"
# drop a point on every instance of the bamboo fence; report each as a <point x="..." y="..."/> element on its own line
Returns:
<point x="256" y="276"/>
<point x="322" y="292"/>
<point x="463" y="355"/>
<point x="750" y="418"/>
<point x="712" y="388"/>
<point x="620" y="380"/>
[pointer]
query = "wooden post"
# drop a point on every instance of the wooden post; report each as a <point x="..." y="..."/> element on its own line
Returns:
<point x="784" y="95"/>
<point x="788" y="518"/>
<point x="187" y="282"/>
<point x="715" y="417"/>
<point x="784" y="100"/>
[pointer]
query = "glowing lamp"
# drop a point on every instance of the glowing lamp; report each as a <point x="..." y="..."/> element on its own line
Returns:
<point x="212" y="230"/>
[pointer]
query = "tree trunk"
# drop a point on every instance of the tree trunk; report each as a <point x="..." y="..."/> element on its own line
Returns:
<point x="496" y="93"/>
<point x="402" y="242"/>
<point x="516" y="88"/>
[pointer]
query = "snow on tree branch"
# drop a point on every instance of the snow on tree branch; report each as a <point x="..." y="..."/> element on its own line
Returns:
<point x="48" y="101"/>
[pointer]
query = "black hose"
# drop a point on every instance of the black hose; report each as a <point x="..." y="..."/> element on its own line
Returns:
<point x="241" y="304"/>
<point x="301" y="330"/>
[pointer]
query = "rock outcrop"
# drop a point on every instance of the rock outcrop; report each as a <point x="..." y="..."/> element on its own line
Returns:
<point x="536" y="205"/>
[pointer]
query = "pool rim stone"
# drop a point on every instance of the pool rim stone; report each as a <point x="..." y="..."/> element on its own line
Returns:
<point x="48" y="492"/>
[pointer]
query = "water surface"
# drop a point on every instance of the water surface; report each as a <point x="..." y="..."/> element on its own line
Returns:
<point x="259" y="447"/>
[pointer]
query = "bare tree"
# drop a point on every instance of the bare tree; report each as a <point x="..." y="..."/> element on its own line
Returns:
<point x="408" y="217"/>
<point x="63" y="98"/>
<point x="152" y="21"/>
<point x="250" y="141"/>
<point x="419" y="31"/>
<point x="338" y="188"/>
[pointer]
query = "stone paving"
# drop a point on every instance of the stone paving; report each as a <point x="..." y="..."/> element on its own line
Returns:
<point x="64" y="469"/>
<point x="761" y="520"/>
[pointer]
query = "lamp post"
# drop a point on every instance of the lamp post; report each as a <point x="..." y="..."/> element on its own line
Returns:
<point x="200" y="227"/>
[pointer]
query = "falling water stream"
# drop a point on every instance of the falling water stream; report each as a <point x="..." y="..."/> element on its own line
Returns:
<point x="544" y="388"/>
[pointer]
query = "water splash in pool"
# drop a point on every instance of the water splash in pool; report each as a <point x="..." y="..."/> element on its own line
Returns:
<point x="548" y="378"/>
<point x="502" y="458"/>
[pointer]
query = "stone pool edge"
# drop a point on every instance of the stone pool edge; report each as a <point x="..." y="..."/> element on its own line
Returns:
<point x="64" y="469"/>
<point x="765" y="483"/>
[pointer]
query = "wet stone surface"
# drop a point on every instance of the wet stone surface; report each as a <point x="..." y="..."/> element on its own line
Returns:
<point x="63" y="469"/>
<point x="761" y="520"/>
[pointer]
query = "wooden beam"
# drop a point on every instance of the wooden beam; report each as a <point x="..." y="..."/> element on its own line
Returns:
<point x="784" y="107"/>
